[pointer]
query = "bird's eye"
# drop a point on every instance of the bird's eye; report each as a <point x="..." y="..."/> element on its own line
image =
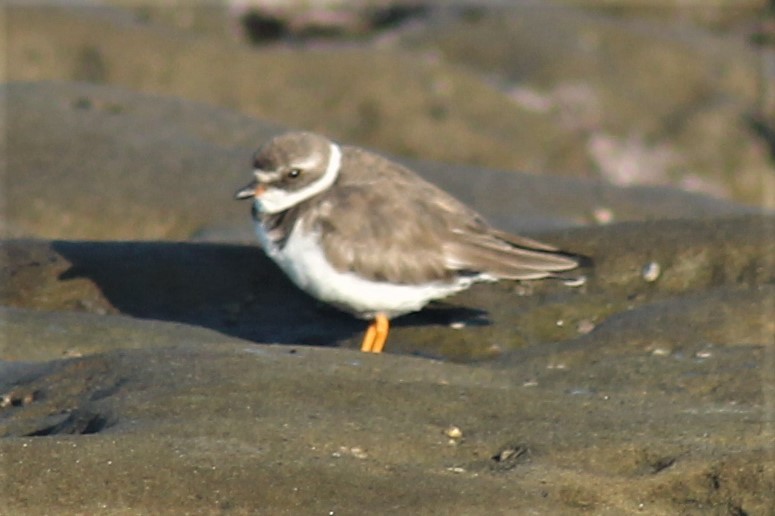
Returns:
<point x="294" y="173"/>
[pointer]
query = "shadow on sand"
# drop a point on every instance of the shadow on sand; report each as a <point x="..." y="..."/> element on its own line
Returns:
<point x="232" y="289"/>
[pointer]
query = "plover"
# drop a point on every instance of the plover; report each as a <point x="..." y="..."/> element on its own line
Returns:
<point x="369" y="236"/>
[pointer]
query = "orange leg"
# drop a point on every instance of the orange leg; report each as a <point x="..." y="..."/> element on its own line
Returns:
<point x="376" y="335"/>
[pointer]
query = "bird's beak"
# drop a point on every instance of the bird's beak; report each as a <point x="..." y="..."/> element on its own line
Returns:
<point x="253" y="189"/>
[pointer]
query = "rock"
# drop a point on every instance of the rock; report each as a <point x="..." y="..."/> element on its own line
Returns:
<point x="649" y="101"/>
<point x="587" y="93"/>
<point x="195" y="412"/>
<point x="81" y="158"/>
<point x="200" y="427"/>
<point x="237" y="291"/>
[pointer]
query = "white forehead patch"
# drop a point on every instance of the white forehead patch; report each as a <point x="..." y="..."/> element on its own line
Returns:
<point x="263" y="177"/>
<point x="309" y="162"/>
<point x="275" y="200"/>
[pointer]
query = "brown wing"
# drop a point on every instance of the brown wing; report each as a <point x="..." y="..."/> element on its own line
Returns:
<point x="505" y="256"/>
<point x="397" y="240"/>
<point x="413" y="232"/>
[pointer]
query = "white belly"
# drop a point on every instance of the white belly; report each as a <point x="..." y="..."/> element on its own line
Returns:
<point x="302" y="259"/>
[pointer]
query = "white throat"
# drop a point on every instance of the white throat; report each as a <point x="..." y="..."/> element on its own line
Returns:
<point x="275" y="200"/>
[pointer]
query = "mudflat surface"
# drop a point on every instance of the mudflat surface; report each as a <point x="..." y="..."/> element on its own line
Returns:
<point x="152" y="360"/>
<point x="168" y="377"/>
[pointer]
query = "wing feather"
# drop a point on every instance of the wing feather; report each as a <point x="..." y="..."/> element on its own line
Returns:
<point x="417" y="233"/>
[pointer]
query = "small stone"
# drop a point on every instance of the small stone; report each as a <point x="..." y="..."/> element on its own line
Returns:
<point x="651" y="272"/>
<point x="575" y="282"/>
<point x="355" y="451"/>
<point x="504" y="455"/>
<point x="493" y="351"/>
<point x="453" y="432"/>
<point x="16" y="399"/>
<point x="585" y="326"/>
<point x="603" y="215"/>
<point x="358" y="452"/>
<point x="509" y="457"/>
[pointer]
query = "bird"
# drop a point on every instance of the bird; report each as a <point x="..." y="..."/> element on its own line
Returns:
<point x="371" y="237"/>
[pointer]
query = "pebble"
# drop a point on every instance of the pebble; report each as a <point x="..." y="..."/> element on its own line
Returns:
<point x="453" y="432"/>
<point x="651" y="272"/>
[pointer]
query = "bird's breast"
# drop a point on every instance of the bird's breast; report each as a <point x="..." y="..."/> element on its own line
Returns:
<point x="302" y="258"/>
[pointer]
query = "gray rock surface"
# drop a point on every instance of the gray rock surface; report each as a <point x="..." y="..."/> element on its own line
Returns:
<point x="643" y="101"/>
<point x="546" y="88"/>
<point x="81" y="158"/>
<point x="205" y="427"/>
<point x="628" y="395"/>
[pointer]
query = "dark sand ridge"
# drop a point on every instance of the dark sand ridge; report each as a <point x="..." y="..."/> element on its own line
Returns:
<point x="620" y="397"/>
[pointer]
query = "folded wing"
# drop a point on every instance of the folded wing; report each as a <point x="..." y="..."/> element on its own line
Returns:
<point x="417" y="233"/>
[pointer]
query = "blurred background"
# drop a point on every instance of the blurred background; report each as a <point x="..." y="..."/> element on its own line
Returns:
<point x="670" y="93"/>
